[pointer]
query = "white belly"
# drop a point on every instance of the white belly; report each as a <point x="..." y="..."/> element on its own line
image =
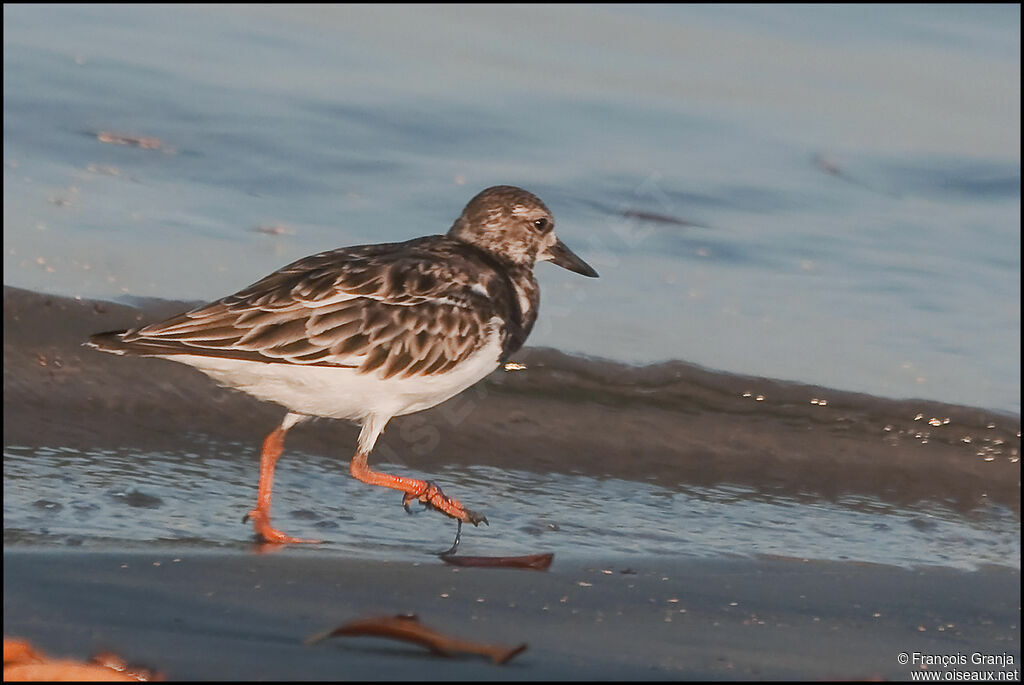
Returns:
<point x="344" y="393"/>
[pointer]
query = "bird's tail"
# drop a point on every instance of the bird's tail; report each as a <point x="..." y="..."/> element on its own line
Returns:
<point x="111" y="341"/>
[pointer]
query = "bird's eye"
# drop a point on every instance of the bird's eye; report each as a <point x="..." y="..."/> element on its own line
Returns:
<point x="541" y="224"/>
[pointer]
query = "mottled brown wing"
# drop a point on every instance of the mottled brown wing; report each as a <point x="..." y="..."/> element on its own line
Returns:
<point x="404" y="308"/>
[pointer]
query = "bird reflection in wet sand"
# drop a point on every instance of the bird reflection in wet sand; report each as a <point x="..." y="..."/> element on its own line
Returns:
<point x="370" y="332"/>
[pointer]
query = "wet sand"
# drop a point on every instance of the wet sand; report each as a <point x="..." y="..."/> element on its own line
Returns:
<point x="197" y="611"/>
<point x="242" y="616"/>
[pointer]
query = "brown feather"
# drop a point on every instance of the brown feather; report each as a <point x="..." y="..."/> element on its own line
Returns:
<point x="397" y="309"/>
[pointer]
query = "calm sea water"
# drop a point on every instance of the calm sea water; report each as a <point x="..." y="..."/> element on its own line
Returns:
<point x="836" y="189"/>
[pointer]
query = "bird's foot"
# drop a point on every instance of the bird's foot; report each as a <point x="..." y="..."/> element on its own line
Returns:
<point x="432" y="497"/>
<point x="267" y="533"/>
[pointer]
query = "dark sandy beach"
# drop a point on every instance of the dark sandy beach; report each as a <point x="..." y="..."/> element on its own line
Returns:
<point x="237" y="615"/>
<point x="195" y="610"/>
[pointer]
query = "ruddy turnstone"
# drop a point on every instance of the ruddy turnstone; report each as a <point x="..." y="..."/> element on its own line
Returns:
<point x="370" y="332"/>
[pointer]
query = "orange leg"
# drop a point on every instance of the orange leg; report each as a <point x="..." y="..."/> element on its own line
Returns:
<point x="273" y="445"/>
<point x="423" y="491"/>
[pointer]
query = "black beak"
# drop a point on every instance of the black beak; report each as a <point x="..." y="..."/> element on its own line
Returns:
<point x="567" y="259"/>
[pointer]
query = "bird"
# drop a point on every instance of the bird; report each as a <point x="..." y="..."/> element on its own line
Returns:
<point x="370" y="332"/>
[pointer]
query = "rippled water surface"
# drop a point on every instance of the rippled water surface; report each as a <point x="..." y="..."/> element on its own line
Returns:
<point x="823" y="194"/>
<point x="99" y="498"/>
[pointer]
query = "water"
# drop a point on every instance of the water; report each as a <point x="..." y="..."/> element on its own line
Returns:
<point x="843" y="183"/>
<point x="102" y="498"/>
<point x="823" y="194"/>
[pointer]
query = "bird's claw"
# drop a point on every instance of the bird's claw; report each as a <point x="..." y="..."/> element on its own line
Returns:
<point x="455" y="545"/>
<point x="409" y="499"/>
<point x="422" y="497"/>
<point x="431" y="497"/>
<point x="471" y="517"/>
<point x="475" y="518"/>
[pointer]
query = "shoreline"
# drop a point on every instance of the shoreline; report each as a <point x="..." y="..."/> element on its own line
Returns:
<point x="674" y="422"/>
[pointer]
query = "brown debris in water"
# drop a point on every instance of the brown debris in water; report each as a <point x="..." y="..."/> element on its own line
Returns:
<point x="407" y="628"/>
<point x="537" y="562"/>
<point x="144" y="142"/>
<point x="830" y="166"/>
<point x="654" y="217"/>
<point x="24" y="663"/>
<point x="275" y="229"/>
